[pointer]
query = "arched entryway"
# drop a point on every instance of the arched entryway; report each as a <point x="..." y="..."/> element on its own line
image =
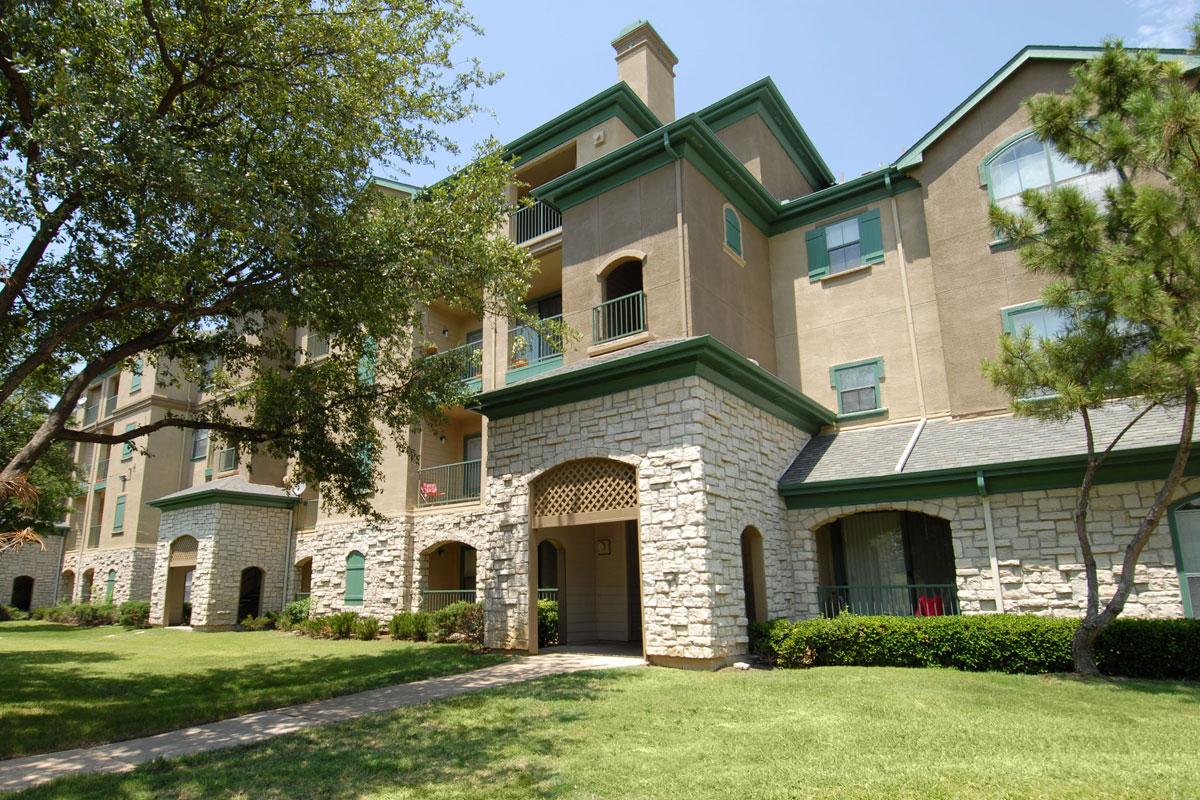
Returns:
<point x="583" y="521"/>
<point x="895" y="563"/>
<point x="551" y="575"/>
<point x="22" y="592"/>
<point x="66" y="587"/>
<point x="753" y="581"/>
<point x="181" y="565"/>
<point x="623" y="312"/>
<point x="250" y="593"/>
<point x="85" y="588"/>
<point x="450" y="575"/>
<point x="302" y="579"/>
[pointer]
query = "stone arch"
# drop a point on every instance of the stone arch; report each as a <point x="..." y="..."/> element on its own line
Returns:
<point x="250" y="593"/>
<point x="448" y="573"/>
<point x="181" y="567"/>
<point x="619" y="258"/>
<point x="822" y="517"/>
<point x="754" y="583"/>
<point x="66" y="592"/>
<point x="585" y="490"/>
<point x="302" y="578"/>
<point x="87" y="585"/>
<point x="22" y="593"/>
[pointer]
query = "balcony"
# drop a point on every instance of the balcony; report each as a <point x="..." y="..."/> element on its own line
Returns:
<point x="530" y="353"/>
<point x="101" y="473"/>
<point x="532" y="222"/>
<point x="894" y="600"/>
<point x="93" y="537"/>
<point x="110" y="405"/>
<point x="91" y="413"/>
<point x="437" y="599"/>
<point x="619" y="317"/>
<point x="449" y="483"/>
<point x="548" y="594"/>
<point x="471" y="354"/>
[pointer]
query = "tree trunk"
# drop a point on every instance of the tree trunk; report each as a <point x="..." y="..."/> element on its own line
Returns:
<point x="1083" y="646"/>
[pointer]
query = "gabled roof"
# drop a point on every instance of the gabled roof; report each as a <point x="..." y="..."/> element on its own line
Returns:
<point x="913" y="155"/>
<point x="233" y="490"/>
<point x="989" y="454"/>
<point x="617" y="100"/>
<point x="396" y="186"/>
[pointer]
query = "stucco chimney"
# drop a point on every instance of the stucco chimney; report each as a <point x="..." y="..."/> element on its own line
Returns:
<point x="646" y="63"/>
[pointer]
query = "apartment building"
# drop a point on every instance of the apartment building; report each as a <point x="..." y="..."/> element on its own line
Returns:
<point x="774" y="406"/>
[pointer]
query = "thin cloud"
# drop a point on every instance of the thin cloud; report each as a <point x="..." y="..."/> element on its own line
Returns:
<point x="1164" y="23"/>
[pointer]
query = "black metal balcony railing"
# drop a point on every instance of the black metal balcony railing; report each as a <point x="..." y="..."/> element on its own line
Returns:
<point x="530" y="222"/>
<point x="619" y="317"/>
<point x="893" y="600"/>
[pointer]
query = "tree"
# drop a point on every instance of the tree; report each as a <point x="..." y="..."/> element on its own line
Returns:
<point x="32" y="508"/>
<point x="1126" y="279"/>
<point x="189" y="182"/>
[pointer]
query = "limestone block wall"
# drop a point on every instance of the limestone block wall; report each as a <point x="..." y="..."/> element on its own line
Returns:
<point x="199" y="522"/>
<point x="41" y="565"/>
<point x="1038" y="557"/>
<point x="385" y="579"/>
<point x="134" y="567"/>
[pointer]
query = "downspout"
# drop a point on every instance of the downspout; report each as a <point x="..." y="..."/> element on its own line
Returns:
<point x="287" y="554"/>
<point x="681" y="236"/>
<point x="912" y="329"/>
<point x="991" y="540"/>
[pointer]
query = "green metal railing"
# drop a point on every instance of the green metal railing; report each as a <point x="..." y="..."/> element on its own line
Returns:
<point x="533" y="221"/>
<point x="90" y="413"/>
<point x="547" y="594"/>
<point x="471" y="354"/>
<point x="449" y="483"/>
<point x="621" y="316"/>
<point x="893" y="600"/>
<point x="110" y="405"/>
<point x="528" y="348"/>
<point x="437" y="599"/>
<point x="93" y="537"/>
<point x="301" y="595"/>
<point x="102" y="470"/>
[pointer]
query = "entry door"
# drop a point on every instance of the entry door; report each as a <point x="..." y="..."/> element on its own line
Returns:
<point x="473" y="458"/>
<point x="1187" y="532"/>
<point x="250" y="595"/>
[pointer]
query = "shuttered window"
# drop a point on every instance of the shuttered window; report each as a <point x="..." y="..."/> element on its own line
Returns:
<point x="356" y="565"/>
<point x="135" y="382"/>
<point x="127" y="448"/>
<point x="110" y="585"/>
<point x="733" y="230"/>
<point x="119" y="515"/>
<point x="844" y="245"/>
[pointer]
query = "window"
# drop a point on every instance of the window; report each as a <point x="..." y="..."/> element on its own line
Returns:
<point x="356" y="565"/>
<point x="844" y="245"/>
<point x="200" y="444"/>
<point x="1044" y="323"/>
<point x="135" y="382"/>
<point x="119" y="515"/>
<point x="1029" y="163"/>
<point x="733" y="231"/>
<point x="110" y="584"/>
<point x="227" y="459"/>
<point x="127" y="447"/>
<point x="857" y="388"/>
<point x="366" y="362"/>
<point x="207" y="370"/>
<point x="1184" y="520"/>
<point x="315" y="346"/>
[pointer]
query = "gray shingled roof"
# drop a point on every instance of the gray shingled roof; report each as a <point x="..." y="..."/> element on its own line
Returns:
<point x="949" y="444"/>
<point x="230" y="485"/>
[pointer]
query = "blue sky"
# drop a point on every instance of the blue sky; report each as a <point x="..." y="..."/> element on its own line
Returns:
<point x="866" y="78"/>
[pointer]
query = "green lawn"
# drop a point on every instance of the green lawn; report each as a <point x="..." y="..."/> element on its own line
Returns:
<point x="64" y="686"/>
<point x="656" y="733"/>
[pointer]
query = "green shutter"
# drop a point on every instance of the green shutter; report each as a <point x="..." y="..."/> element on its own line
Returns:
<point x="870" y="236"/>
<point x="119" y="514"/>
<point x="110" y="585"/>
<point x="366" y="362"/>
<point x="127" y="448"/>
<point x="818" y="254"/>
<point x="733" y="231"/>
<point x="135" y="383"/>
<point x="355" y="566"/>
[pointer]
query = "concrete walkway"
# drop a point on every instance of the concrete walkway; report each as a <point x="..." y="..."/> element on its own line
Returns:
<point x="29" y="771"/>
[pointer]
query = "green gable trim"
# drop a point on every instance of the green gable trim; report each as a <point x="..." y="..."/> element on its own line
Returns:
<point x="828" y="203"/>
<point x="764" y="98"/>
<point x="615" y="101"/>
<point x="1060" y="472"/>
<point x="211" y="496"/>
<point x="702" y="356"/>
<point x="915" y="154"/>
<point x="398" y="186"/>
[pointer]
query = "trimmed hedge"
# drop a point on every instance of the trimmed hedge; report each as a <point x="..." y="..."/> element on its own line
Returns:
<point x="547" y="623"/>
<point x="459" y="622"/>
<point x="414" y="626"/>
<point x="1015" y="643"/>
<point x="134" y="614"/>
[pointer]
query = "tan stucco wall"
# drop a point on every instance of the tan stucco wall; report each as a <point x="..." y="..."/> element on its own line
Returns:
<point x="972" y="283"/>
<point x="615" y="133"/>
<point x="728" y="298"/>
<point x="757" y="148"/>
<point x="594" y="592"/>
<point x="861" y="315"/>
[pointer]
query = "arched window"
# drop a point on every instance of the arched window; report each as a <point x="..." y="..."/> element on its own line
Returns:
<point x="110" y="584"/>
<point x="1027" y="162"/>
<point x="733" y="231"/>
<point x="356" y="564"/>
<point x="1184" y="520"/>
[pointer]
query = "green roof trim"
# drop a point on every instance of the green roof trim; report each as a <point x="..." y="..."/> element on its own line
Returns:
<point x="914" y="155"/>
<point x="764" y="98"/>
<point x="1060" y="472"/>
<point x="841" y="198"/>
<point x="224" y="496"/>
<point x="398" y="186"/>
<point x="617" y="100"/>
<point x="701" y="356"/>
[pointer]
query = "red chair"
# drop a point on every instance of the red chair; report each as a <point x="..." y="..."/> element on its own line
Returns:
<point x="930" y="606"/>
<point x="429" y="491"/>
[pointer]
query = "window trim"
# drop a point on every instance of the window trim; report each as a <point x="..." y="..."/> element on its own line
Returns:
<point x="221" y="459"/>
<point x="196" y="435"/>
<point x="869" y="214"/>
<point x="738" y="253"/>
<point x="1190" y="609"/>
<point x="835" y="384"/>
<point x="1006" y="322"/>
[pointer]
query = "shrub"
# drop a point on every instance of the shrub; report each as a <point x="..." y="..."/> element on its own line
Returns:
<point x="186" y="614"/>
<point x="295" y="612"/>
<point x="40" y="613"/>
<point x="1016" y="643"/>
<point x="89" y="615"/>
<point x="12" y="612"/>
<point x="459" y="622"/>
<point x="547" y="623"/>
<point x="366" y="628"/>
<point x="341" y="625"/>
<point x="134" y="614"/>
<point x="265" y="622"/>
<point x="414" y="626"/>
<point x="316" y="628"/>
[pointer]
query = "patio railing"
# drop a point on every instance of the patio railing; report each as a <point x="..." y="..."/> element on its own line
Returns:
<point x="621" y="316"/>
<point x="102" y="470"/>
<point x="530" y="222"/>
<point x="437" y="599"/>
<point x="528" y="348"/>
<point x="449" y="483"/>
<point x="892" y="600"/>
<point x="547" y="594"/>
<point x="471" y="354"/>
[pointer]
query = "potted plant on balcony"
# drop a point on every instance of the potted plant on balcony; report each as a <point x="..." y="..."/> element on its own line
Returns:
<point x="519" y="357"/>
<point x="430" y="349"/>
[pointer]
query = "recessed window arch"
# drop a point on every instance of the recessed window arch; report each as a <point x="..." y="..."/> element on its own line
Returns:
<point x="1184" y="521"/>
<point x="1026" y="162"/>
<point x="356" y="566"/>
<point x="733" y="230"/>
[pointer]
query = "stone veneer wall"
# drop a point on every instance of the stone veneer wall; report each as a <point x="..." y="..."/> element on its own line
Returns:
<point x="41" y="565"/>
<point x="1037" y="553"/>
<point x="230" y="538"/>
<point x="385" y="578"/>
<point x="134" y="566"/>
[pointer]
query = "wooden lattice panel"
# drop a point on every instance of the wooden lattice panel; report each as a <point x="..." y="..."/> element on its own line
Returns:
<point x="587" y="489"/>
<point x="183" y="552"/>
